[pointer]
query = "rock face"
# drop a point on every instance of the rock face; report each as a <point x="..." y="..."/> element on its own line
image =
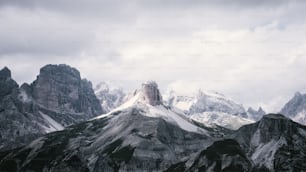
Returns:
<point x="274" y="143"/>
<point x="255" y="115"/>
<point x="151" y="93"/>
<point x="57" y="98"/>
<point x="109" y="96"/>
<point x="296" y="108"/>
<point x="60" y="88"/>
<point x="15" y="122"/>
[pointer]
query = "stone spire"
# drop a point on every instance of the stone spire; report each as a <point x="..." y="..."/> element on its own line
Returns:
<point x="151" y="93"/>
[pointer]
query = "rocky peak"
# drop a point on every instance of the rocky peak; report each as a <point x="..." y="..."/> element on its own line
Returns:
<point x="7" y="84"/>
<point x="295" y="106"/>
<point x="60" y="88"/>
<point x="255" y="114"/>
<point x="151" y="93"/>
<point x="261" y="110"/>
<point x="5" y="73"/>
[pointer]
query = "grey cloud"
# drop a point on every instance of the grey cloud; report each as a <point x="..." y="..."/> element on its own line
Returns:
<point x="165" y="40"/>
<point x="111" y="4"/>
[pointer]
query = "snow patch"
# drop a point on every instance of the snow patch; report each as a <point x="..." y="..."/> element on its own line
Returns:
<point x="52" y="124"/>
<point x="180" y="120"/>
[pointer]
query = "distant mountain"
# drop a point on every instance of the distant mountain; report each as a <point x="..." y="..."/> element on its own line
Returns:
<point x="109" y="96"/>
<point x="296" y="108"/>
<point x="140" y="135"/>
<point x="57" y="98"/>
<point x="210" y="108"/>
<point x="255" y="114"/>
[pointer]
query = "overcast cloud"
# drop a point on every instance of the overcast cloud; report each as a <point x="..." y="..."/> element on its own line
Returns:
<point x="253" y="51"/>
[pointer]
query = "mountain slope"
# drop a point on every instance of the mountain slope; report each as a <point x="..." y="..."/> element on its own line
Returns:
<point x="296" y="108"/>
<point x="223" y="155"/>
<point x="57" y="98"/>
<point x="141" y="135"/>
<point x="275" y="143"/>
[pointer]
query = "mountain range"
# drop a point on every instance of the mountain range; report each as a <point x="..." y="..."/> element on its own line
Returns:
<point x="60" y="123"/>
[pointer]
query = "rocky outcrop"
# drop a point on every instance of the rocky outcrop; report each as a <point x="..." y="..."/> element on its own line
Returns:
<point x="57" y="98"/>
<point x="151" y="94"/>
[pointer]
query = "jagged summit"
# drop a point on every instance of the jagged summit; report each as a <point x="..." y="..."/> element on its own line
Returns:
<point x="255" y="114"/>
<point x="151" y="93"/>
<point x="60" y="87"/>
<point x="7" y="84"/>
<point x="5" y="73"/>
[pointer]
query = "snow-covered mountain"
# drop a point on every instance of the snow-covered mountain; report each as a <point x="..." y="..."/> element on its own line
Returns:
<point x="109" y="96"/>
<point x="296" y="108"/>
<point x="57" y="98"/>
<point x="210" y="108"/>
<point x="211" y="119"/>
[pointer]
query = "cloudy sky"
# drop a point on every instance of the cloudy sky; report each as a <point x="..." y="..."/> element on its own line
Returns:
<point x="253" y="51"/>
